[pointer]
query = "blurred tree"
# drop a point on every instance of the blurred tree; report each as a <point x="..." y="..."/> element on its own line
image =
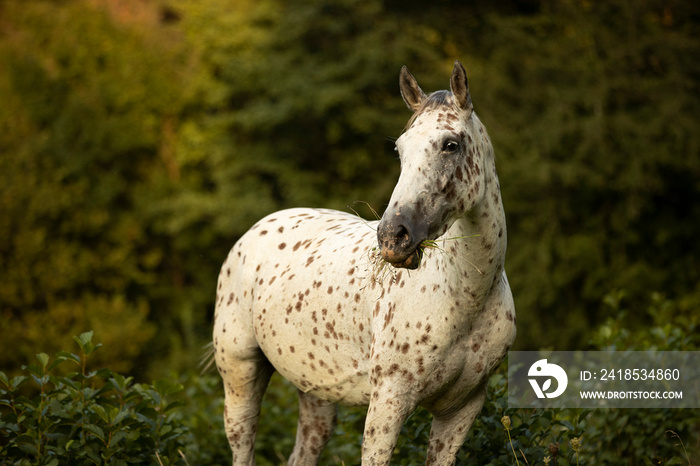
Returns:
<point x="593" y="107"/>
<point x="298" y="95"/>
<point x="143" y="140"/>
<point x="139" y="140"/>
<point x="81" y="122"/>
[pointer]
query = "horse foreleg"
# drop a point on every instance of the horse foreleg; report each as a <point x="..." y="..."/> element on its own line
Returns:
<point x="448" y="432"/>
<point x="316" y="422"/>
<point x="385" y="416"/>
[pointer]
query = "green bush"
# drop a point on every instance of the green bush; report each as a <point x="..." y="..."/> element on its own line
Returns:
<point x="607" y="436"/>
<point x="201" y="414"/>
<point x="60" y="412"/>
<point x="602" y="437"/>
<point x="50" y="416"/>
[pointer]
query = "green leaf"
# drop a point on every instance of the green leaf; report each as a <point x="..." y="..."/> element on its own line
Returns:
<point x="166" y="387"/>
<point x="97" y="431"/>
<point x="68" y="382"/>
<point x="34" y="369"/>
<point x="173" y="405"/>
<point x="29" y="448"/>
<point x="40" y="381"/>
<point x="4" y="380"/>
<point x="57" y="409"/>
<point x="568" y="425"/>
<point x="121" y="415"/>
<point x="101" y="412"/>
<point x="15" y="382"/>
<point x="84" y="340"/>
<point x="57" y="362"/>
<point x="66" y="356"/>
<point x="85" y="343"/>
<point x="120" y="382"/>
<point x="116" y="438"/>
<point x="43" y="359"/>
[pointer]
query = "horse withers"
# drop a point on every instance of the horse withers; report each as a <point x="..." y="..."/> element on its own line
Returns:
<point x="299" y="294"/>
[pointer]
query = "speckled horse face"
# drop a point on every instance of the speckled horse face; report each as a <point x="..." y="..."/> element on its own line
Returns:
<point x="441" y="169"/>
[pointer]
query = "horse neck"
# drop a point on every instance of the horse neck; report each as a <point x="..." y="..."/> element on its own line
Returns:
<point x="480" y="243"/>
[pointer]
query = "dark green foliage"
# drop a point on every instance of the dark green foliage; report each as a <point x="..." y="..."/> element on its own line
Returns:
<point x="80" y="134"/>
<point x="668" y="325"/>
<point x="62" y="412"/>
<point x="609" y="436"/>
<point x="200" y="414"/>
<point x="593" y="109"/>
<point x="139" y="140"/>
<point x="86" y="417"/>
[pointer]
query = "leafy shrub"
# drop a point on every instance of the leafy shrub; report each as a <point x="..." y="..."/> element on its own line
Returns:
<point x="561" y="436"/>
<point x="86" y="417"/>
<point x="607" y="436"/>
<point x="201" y="414"/>
<point x="51" y="416"/>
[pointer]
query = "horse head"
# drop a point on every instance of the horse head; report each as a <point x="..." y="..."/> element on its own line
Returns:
<point x="442" y="168"/>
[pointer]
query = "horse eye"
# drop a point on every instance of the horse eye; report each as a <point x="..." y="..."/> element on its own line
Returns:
<point x="450" y="146"/>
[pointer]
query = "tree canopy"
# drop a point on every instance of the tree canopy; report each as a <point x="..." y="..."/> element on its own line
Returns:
<point x="139" y="140"/>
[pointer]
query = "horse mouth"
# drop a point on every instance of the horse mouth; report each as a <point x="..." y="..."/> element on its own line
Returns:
<point x="410" y="262"/>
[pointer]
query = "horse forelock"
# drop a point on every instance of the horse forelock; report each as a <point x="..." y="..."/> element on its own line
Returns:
<point x="437" y="99"/>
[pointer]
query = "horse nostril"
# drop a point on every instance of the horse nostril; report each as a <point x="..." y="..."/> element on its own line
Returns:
<point x="402" y="236"/>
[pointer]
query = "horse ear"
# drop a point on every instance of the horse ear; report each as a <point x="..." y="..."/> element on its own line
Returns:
<point x="411" y="92"/>
<point x="460" y="87"/>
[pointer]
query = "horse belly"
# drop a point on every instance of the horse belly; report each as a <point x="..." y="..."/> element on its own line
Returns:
<point x="309" y="311"/>
<point x="316" y="344"/>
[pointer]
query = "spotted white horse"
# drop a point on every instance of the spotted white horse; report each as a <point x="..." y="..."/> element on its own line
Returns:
<point x="298" y="294"/>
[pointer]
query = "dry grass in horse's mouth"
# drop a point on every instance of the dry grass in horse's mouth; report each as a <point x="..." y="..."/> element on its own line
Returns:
<point x="378" y="268"/>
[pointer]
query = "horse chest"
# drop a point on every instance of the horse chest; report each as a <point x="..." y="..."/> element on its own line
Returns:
<point x="433" y="338"/>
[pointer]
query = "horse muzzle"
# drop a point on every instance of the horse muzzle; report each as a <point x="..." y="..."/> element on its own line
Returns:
<point x="399" y="241"/>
